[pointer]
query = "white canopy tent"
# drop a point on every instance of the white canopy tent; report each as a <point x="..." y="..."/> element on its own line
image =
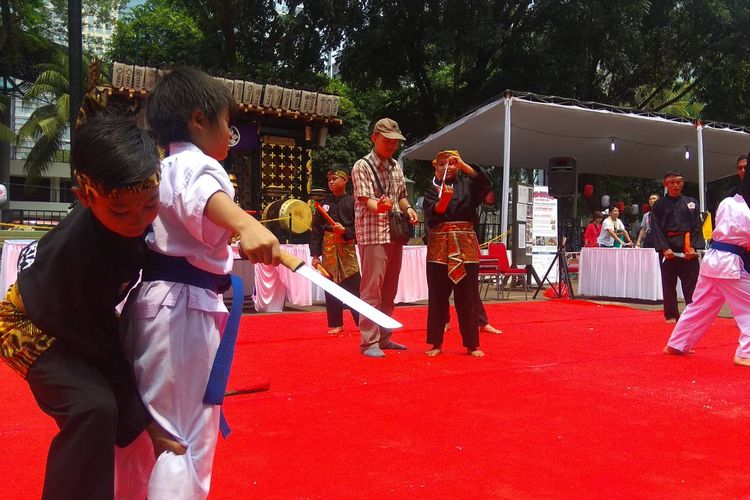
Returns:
<point x="525" y="130"/>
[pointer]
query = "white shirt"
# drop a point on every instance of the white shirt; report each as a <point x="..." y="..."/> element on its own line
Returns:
<point x="733" y="227"/>
<point x="188" y="179"/>
<point x="606" y="239"/>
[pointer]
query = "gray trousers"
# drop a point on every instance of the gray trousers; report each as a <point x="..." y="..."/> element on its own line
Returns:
<point x="380" y="267"/>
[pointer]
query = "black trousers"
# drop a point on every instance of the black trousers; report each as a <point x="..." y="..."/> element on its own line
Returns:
<point x="687" y="271"/>
<point x="465" y="298"/>
<point x="80" y="460"/>
<point x="335" y="308"/>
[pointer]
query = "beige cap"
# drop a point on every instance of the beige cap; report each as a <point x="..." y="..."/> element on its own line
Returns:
<point x="389" y="129"/>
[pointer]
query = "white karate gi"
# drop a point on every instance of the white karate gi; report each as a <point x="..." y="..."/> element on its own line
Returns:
<point x="171" y="332"/>
<point x="722" y="279"/>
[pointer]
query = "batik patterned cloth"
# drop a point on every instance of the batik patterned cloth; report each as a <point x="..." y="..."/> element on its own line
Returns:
<point x="339" y="257"/>
<point x="453" y="244"/>
<point x="21" y="342"/>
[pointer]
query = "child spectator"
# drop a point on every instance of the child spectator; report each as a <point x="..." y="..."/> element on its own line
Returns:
<point x="336" y="245"/>
<point x="58" y="323"/>
<point x="173" y="319"/>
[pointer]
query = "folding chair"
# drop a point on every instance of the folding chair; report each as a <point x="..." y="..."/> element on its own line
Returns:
<point x="498" y="251"/>
<point x="489" y="271"/>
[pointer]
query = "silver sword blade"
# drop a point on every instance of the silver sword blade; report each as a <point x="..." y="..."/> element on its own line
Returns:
<point x="347" y="298"/>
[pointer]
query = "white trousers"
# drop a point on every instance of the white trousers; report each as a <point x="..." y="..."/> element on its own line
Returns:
<point x="172" y="354"/>
<point x="708" y="298"/>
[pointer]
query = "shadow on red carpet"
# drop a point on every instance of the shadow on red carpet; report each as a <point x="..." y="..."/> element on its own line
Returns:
<point x="573" y="400"/>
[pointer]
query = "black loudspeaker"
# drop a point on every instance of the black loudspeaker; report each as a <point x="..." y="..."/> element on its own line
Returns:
<point x="562" y="178"/>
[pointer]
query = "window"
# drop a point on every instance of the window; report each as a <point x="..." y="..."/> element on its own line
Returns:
<point x="20" y="191"/>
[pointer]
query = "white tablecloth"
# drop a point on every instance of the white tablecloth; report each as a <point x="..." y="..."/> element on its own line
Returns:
<point x="632" y="273"/>
<point x="276" y="285"/>
<point x="9" y="263"/>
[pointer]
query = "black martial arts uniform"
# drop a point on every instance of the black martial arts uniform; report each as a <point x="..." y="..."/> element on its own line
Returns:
<point x="671" y="220"/>
<point x="453" y="257"/>
<point x="338" y="256"/>
<point x="68" y="285"/>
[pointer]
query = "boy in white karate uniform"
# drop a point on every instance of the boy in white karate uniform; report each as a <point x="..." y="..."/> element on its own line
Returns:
<point x="172" y="322"/>
<point x="723" y="278"/>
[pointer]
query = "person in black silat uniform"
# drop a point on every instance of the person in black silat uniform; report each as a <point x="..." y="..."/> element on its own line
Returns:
<point x="677" y="233"/>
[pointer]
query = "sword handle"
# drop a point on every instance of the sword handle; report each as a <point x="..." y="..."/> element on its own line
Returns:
<point x="290" y="261"/>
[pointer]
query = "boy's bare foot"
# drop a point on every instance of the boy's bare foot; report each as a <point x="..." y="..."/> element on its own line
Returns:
<point x="335" y="330"/>
<point x="490" y="329"/>
<point x="671" y="321"/>
<point x="741" y="361"/>
<point x="476" y="352"/>
<point x="671" y="350"/>
<point x="447" y="327"/>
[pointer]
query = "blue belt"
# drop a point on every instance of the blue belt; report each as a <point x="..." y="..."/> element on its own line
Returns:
<point x="160" y="267"/>
<point x="735" y="249"/>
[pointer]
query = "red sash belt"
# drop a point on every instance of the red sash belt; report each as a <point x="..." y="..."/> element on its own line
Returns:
<point x="453" y="244"/>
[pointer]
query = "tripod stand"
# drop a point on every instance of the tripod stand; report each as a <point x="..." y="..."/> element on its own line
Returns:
<point x="562" y="269"/>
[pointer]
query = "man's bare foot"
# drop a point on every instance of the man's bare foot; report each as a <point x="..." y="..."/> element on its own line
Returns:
<point x="436" y="349"/>
<point x="490" y="329"/>
<point x="476" y="352"/>
<point x="671" y="321"/>
<point x="335" y="330"/>
<point x="741" y="361"/>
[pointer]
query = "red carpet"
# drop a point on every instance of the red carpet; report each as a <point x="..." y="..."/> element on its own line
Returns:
<point x="572" y="400"/>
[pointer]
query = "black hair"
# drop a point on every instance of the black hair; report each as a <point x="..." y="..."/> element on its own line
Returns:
<point x="741" y="157"/>
<point x="114" y="151"/>
<point x="177" y="95"/>
<point x="339" y="166"/>
<point x="672" y="173"/>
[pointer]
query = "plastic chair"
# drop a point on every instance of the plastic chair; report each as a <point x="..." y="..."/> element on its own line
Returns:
<point x="489" y="267"/>
<point x="498" y="251"/>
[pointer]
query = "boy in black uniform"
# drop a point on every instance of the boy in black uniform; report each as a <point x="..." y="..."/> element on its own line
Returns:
<point x="450" y="214"/>
<point x="677" y="231"/>
<point x="58" y="323"/>
<point x="333" y="247"/>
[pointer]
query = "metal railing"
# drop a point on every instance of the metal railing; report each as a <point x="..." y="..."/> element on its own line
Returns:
<point x="43" y="218"/>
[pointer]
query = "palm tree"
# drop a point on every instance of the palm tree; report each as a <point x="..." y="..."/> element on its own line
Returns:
<point x="6" y="133"/>
<point x="47" y="125"/>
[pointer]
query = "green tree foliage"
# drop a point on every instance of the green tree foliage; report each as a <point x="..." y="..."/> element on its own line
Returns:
<point x="25" y="37"/>
<point x="446" y="57"/>
<point x="159" y="32"/>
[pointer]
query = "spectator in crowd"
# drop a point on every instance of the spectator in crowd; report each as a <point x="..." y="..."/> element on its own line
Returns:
<point x="593" y="230"/>
<point x="644" y="239"/>
<point x="613" y="231"/>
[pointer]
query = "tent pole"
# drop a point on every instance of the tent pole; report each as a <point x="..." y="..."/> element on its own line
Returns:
<point x="506" y="169"/>
<point x="701" y="179"/>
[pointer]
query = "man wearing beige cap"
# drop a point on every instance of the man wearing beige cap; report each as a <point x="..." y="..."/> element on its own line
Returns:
<point x="379" y="188"/>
